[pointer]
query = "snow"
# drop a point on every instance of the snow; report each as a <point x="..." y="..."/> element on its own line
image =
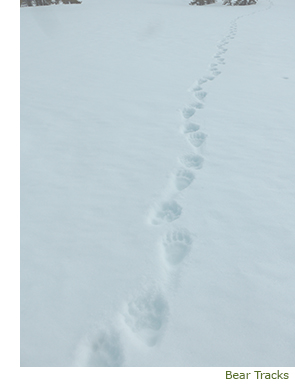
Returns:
<point x="157" y="184"/>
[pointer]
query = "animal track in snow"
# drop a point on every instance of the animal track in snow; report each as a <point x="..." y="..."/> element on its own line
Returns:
<point x="219" y="59"/>
<point x="176" y="245"/>
<point x="197" y="138"/>
<point x="210" y="77"/>
<point x="198" y="105"/>
<point x="188" y="112"/>
<point x="166" y="212"/>
<point x="197" y="88"/>
<point x="201" y="95"/>
<point x="189" y="127"/>
<point x="192" y="161"/>
<point x="216" y="73"/>
<point x="213" y="66"/>
<point x="101" y="349"/>
<point x="183" y="178"/>
<point x="147" y="315"/>
<point x="202" y="81"/>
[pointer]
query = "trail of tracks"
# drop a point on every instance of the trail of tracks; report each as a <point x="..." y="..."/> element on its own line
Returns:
<point x="144" y="318"/>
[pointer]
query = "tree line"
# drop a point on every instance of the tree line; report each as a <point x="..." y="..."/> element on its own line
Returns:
<point x="225" y="2"/>
<point x="35" y="3"/>
<point x="31" y="3"/>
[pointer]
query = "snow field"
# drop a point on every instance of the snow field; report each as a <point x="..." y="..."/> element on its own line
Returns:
<point x="178" y="276"/>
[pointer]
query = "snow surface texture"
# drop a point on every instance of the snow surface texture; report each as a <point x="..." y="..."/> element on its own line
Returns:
<point x="115" y="272"/>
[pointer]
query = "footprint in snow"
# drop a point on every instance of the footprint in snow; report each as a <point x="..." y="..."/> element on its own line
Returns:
<point x="183" y="178"/>
<point x="198" y="105"/>
<point x="176" y="245"/>
<point x="146" y="316"/>
<point x="197" y="88"/>
<point x="101" y="349"/>
<point x="192" y="161"/>
<point x="201" y="95"/>
<point x="202" y="81"/>
<point x="216" y="73"/>
<point x="188" y="112"/>
<point x="165" y="212"/>
<point x="189" y="127"/>
<point x="210" y="77"/>
<point x="221" y="60"/>
<point x="197" y="138"/>
<point x="213" y="66"/>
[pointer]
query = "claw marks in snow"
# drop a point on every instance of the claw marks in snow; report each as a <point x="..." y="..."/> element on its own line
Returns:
<point x="188" y="112"/>
<point x="202" y="81"/>
<point x="176" y="245"/>
<point x="220" y="60"/>
<point x="166" y="211"/>
<point x="197" y="138"/>
<point x="213" y="66"/>
<point x="183" y="178"/>
<point x="201" y="95"/>
<point x="189" y="127"/>
<point x="197" y="88"/>
<point x="147" y="315"/>
<point x="192" y="161"/>
<point x="198" y="105"/>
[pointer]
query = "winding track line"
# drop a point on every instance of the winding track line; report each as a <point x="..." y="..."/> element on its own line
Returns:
<point x="145" y="317"/>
